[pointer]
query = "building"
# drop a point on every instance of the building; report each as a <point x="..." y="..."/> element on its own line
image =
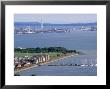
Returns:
<point x="41" y="58"/>
<point x="20" y="62"/>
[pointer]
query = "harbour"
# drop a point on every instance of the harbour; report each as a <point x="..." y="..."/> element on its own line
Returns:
<point x="81" y="65"/>
<point x="49" y="45"/>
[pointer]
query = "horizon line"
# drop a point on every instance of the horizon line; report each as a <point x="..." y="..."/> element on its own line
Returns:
<point x="54" y="23"/>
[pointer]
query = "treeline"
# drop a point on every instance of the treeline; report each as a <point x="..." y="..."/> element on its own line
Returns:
<point x="44" y="50"/>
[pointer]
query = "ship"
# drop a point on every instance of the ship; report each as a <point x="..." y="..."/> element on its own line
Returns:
<point x="88" y="28"/>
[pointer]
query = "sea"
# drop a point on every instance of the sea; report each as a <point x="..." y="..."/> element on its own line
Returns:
<point x="82" y="41"/>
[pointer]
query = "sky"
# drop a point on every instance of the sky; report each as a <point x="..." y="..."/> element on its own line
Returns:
<point x="56" y="18"/>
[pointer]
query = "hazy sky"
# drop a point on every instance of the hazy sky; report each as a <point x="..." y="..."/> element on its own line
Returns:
<point x="56" y="18"/>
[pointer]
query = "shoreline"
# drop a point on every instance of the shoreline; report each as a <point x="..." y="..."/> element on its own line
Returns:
<point x="32" y="66"/>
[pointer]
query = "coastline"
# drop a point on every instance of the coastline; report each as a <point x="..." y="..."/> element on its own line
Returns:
<point x="32" y="66"/>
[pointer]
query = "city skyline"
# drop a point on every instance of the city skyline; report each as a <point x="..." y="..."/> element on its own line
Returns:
<point x="56" y="18"/>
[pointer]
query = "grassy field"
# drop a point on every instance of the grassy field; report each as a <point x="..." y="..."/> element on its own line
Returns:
<point x="25" y="54"/>
<point x="51" y="54"/>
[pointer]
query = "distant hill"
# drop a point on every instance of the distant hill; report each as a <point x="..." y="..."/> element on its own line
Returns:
<point x="26" y="23"/>
<point x="51" y="24"/>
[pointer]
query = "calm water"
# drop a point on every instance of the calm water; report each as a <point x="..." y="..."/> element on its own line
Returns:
<point x="84" y="41"/>
<point x="81" y="40"/>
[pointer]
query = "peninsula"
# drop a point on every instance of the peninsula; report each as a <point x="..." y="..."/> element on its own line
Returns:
<point x="26" y="58"/>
